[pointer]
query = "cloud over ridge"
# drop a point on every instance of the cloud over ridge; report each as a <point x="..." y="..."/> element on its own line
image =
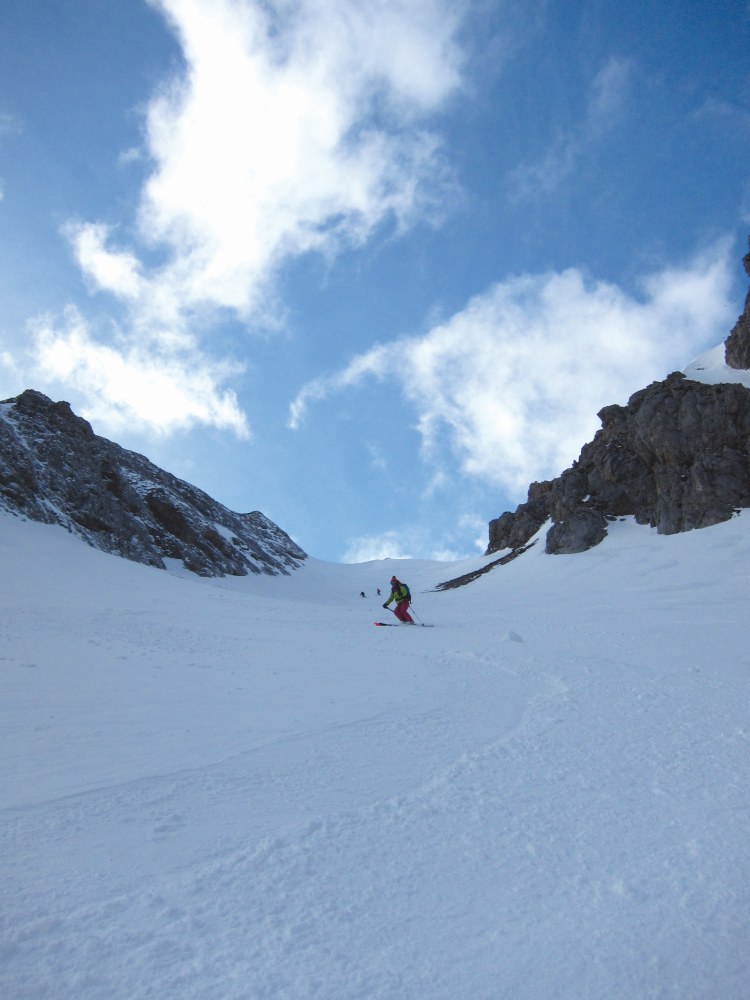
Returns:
<point x="513" y="382"/>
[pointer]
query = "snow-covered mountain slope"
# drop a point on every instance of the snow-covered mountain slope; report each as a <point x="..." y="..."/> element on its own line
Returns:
<point x="238" y="788"/>
<point x="711" y="368"/>
<point x="54" y="469"/>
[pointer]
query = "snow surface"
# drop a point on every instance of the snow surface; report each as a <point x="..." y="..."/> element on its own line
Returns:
<point x="712" y="368"/>
<point x="241" y="789"/>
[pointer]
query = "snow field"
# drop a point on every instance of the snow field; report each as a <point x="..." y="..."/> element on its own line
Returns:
<point x="241" y="789"/>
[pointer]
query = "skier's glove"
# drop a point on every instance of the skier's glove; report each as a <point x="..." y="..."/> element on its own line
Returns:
<point x="385" y="605"/>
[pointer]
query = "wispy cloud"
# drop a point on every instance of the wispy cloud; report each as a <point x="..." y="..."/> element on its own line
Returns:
<point x="377" y="362"/>
<point x="606" y="102"/>
<point x="512" y="383"/>
<point x="9" y="124"/>
<point x="732" y="113"/>
<point x="293" y="126"/>
<point x="132" y="386"/>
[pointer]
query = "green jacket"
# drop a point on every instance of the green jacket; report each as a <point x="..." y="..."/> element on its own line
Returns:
<point x="399" y="593"/>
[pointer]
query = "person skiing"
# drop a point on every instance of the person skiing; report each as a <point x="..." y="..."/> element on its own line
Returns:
<point x="401" y="595"/>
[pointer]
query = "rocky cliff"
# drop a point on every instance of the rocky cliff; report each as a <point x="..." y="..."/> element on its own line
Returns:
<point x="737" y="344"/>
<point x="53" y="468"/>
<point x="676" y="457"/>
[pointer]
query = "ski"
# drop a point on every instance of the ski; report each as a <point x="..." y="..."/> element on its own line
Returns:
<point x="398" y="624"/>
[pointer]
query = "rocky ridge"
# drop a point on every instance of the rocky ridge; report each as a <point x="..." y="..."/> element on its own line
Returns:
<point x="737" y="344"/>
<point x="676" y="457"/>
<point x="54" y="469"/>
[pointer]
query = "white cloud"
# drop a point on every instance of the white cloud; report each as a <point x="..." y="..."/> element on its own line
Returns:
<point x="513" y="382"/>
<point x="386" y="545"/>
<point x="132" y="388"/>
<point x="10" y="364"/>
<point x="293" y="126"/>
<point x="286" y="134"/>
<point x="111" y="271"/>
<point x="412" y="543"/>
<point x="606" y="101"/>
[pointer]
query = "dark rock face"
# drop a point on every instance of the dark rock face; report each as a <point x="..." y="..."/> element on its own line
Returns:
<point x="53" y="468"/>
<point x="737" y="344"/>
<point x="582" y="529"/>
<point x="676" y="457"/>
<point x="511" y="531"/>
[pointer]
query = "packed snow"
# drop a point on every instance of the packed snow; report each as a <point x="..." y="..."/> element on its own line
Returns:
<point x="240" y="788"/>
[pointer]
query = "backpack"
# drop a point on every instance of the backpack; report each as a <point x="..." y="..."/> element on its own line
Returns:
<point x="407" y="595"/>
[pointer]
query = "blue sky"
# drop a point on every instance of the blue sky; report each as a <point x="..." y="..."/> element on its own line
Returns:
<point x="370" y="268"/>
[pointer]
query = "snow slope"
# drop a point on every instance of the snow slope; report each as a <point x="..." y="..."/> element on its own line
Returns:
<point x="241" y="789"/>
<point x="711" y="367"/>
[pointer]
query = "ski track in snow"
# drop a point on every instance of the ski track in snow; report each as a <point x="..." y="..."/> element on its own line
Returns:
<point x="217" y="793"/>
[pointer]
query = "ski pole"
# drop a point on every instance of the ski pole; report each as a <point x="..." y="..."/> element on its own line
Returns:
<point x="411" y="609"/>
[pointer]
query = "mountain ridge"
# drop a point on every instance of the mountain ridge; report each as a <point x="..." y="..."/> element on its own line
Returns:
<point x="55" y="469"/>
<point x="676" y="457"/>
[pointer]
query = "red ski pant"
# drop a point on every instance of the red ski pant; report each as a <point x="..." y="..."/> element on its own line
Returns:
<point x="402" y="612"/>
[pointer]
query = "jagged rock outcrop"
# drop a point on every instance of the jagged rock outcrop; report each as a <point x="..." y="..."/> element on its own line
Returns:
<point x="676" y="457"/>
<point x="737" y="344"/>
<point x="53" y="468"/>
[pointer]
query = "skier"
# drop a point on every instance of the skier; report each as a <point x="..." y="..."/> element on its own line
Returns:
<point x="401" y="595"/>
